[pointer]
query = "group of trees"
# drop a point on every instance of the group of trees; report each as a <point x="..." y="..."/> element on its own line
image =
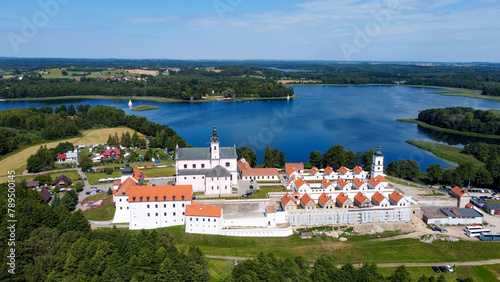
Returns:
<point x="274" y="157"/>
<point x="44" y="158"/>
<point x="248" y="154"/>
<point x="126" y="140"/>
<point x="463" y="119"/>
<point x="407" y="169"/>
<point x="336" y="156"/>
<point x="267" y="267"/>
<point x="490" y="155"/>
<point x="54" y="244"/>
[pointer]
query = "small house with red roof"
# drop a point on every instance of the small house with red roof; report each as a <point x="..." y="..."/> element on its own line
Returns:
<point x="62" y="181"/>
<point x="326" y="202"/>
<point x="357" y="184"/>
<point x="362" y="201"/>
<point x="203" y="219"/>
<point x="290" y="172"/>
<point x="379" y="200"/>
<point x="307" y="203"/>
<point x="382" y="180"/>
<point x="343" y="201"/>
<point x="314" y="172"/>
<point x="374" y="184"/>
<point x="345" y="173"/>
<point x="288" y="203"/>
<point x="344" y="185"/>
<point x="243" y="164"/>
<point x="299" y="167"/>
<point x="300" y="185"/>
<point x="111" y="153"/>
<point x="397" y="199"/>
<point x="358" y="172"/>
<point x="462" y="195"/>
<point x="327" y="185"/>
<point x="330" y="173"/>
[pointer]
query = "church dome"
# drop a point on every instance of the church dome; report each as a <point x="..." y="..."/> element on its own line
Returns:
<point x="127" y="170"/>
<point x="378" y="153"/>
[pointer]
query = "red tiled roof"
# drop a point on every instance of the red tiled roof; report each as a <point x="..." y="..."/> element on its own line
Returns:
<point x="259" y="171"/>
<point x="396" y="196"/>
<point x="117" y="182"/>
<point x="380" y="178"/>
<point x="343" y="170"/>
<point x="297" y="166"/>
<point x="358" y="182"/>
<point x="61" y="156"/>
<point x="290" y="170"/>
<point x="286" y="199"/>
<point x="469" y="205"/>
<point x="125" y="187"/>
<point x="201" y="210"/>
<point x="458" y="191"/>
<point x="360" y="197"/>
<point x="373" y="182"/>
<point x="342" y="197"/>
<point x="378" y="197"/>
<point x="305" y="199"/>
<point x="299" y="182"/>
<point x="324" y="198"/>
<point x="329" y="170"/>
<point x="342" y="182"/>
<point x="164" y="193"/>
<point x="271" y="209"/>
<point x="358" y="169"/>
<point x="108" y="153"/>
<point x="138" y="174"/>
<point x="243" y="164"/>
<point x="313" y="171"/>
<point x="326" y="183"/>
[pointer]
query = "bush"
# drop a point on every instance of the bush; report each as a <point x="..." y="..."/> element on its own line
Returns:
<point x="79" y="187"/>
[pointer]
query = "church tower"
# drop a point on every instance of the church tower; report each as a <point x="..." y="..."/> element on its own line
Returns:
<point x="377" y="163"/>
<point x="214" y="144"/>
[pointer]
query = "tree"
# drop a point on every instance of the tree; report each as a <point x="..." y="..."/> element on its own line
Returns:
<point x="452" y="177"/>
<point x="281" y="159"/>
<point x="483" y="177"/>
<point x="269" y="160"/>
<point x="400" y="275"/>
<point x="335" y="156"/>
<point x="135" y="139"/>
<point x="434" y="173"/>
<point x="110" y="191"/>
<point x="315" y="159"/>
<point x="71" y="110"/>
<point x="248" y="154"/>
<point x="84" y="161"/>
<point x="33" y="164"/>
<point x="64" y="72"/>
<point x="69" y="200"/>
<point x="467" y="171"/>
<point x="148" y="155"/>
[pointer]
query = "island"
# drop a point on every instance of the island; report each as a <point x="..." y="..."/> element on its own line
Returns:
<point x="144" y="108"/>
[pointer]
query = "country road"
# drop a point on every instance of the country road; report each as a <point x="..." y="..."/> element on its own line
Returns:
<point x="479" y="262"/>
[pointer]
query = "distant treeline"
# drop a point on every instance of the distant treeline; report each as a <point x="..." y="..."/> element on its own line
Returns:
<point x="177" y="86"/>
<point x="31" y="125"/>
<point x="463" y="119"/>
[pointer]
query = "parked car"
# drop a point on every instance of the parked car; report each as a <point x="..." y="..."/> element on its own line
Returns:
<point x="449" y="268"/>
<point x="235" y="262"/>
<point x="443" y="269"/>
<point x="436" y="269"/>
<point x="442" y="230"/>
<point x="93" y="188"/>
<point x="88" y="193"/>
<point x="85" y="179"/>
<point x="460" y="280"/>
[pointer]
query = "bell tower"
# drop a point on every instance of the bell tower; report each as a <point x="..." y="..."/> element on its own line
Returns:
<point x="214" y="144"/>
<point x="377" y="163"/>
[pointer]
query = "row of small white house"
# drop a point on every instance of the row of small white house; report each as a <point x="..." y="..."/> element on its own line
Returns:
<point x="104" y="180"/>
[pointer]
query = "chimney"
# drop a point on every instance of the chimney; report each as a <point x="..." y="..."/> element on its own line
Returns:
<point x="123" y="193"/>
<point x="156" y="198"/>
<point x="133" y="198"/>
<point x="147" y="198"/>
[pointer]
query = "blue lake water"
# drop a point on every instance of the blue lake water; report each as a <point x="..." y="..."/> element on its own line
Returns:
<point x="357" y="117"/>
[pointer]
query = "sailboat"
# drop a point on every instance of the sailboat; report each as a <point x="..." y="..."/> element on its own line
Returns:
<point x="130" y="103"/>
<point x="288" y="97"/>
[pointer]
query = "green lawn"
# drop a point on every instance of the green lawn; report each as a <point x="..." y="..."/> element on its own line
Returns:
<point x="96" y="196"/>
<point x="446" y="152"/>
<point x="144" y="108"/>
<point x="72" y="174"/>
<point x="219" y="268"/>
<point x="93" y="178"/>
<point x="101" y="214"/>
<point x="262" y="193"/>
<point x="417" y="271"/>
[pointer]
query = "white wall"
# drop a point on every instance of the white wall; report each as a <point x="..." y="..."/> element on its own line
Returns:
<point x="161" y="214"/>
<point x="260" y="221"/>
<point x="197" y="181"/>
<point x="203" y="225"/>
<point x="258" y="232"/>
<point x="122" y="212"/>
<point x="218" y="185"/>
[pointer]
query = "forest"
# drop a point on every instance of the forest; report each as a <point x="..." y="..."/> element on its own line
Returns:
<point x="246" y="76"/>
<point x="463" y="119"/>
<point x="54" y="244"/>
<point x="34" y="126"/>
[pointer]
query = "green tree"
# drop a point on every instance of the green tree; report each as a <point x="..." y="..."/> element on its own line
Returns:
<point x="84" y="161"/>
<point x="452" y="177"/>
<point x="335" y="157"/>
<point x="268" y="158"/>
<point x="248" y="154"/>
<point x="401" y="274"/>
<point x="69" y="200"/>
<point x="281" y="159"/>
<point x="483" y="177"/>
<point x="467" y="171"/>
<point x="435" y="173"/>
<point x="135" y="139"/>
<point x="315" y="159"/>
<point x="71" y="110"/>
<point x="33" y="164"/>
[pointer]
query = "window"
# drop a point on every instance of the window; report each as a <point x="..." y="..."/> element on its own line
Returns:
<point x="148" y="213"/>
<point x="121" y="208"/>
<point x="228" y="164"/>
<point x="165" y="214"/>
<point x="209" y="220"/>
<point x="182" y="205"/>
<point x="203" y="219"/>
<point x="183" y="213"/>
<point x="174" y="213"/>
<point x="202" y="165"/>
<point x="194" y="165"/>
<point x="127" y="208"/>
<point x="215" y="148"/>
<point x="148" y="206"/>
<point x="191" y="219"/>
<point x="215" y="220"/>
<point x="185" y="166"/>
<point x="156" y="214"/>
<point x="120" y="200"/>
<point x="164" y="205"/>
<point x="196" y="219"/>
<point x="156" y="206"/>
<point x="185" y="177"/>
<point x="194" y="177"/>
<point x="173" y="205"/>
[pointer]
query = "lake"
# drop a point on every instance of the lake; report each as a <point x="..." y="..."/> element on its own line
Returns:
<point x="356" y="117"/>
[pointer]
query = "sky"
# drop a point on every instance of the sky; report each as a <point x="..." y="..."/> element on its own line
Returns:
<point x="340" y="30"/>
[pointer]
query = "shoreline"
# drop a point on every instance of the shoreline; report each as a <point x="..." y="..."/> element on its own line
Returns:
<point x="450" y="154"/>
<point x="450" y="131"/>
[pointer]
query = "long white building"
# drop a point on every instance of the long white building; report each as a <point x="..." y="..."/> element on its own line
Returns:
<point x="211" y="170"/>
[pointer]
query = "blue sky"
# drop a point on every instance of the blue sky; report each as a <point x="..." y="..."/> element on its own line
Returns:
<point x="345" y="30"/>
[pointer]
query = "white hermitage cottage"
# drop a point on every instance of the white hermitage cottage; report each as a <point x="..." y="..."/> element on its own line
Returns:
<point x="211" y="170"/>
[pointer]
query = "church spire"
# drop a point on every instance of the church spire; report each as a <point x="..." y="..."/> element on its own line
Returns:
<point x="214" y="138"/>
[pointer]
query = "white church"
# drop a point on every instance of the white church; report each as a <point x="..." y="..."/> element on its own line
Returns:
<point x="211" y="170"/>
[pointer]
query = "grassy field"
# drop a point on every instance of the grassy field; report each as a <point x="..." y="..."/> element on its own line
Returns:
<point x="57" y="73"/>
<point x="219" y="268"/>
<point x="96" y="196"/>
<point x="450" y="131"/>
<point x="93" y="178"/>
<point x="72" y="174"/>
<point x="144" y="108"/>
<point x="101" y="214"/>
<point x="356" y="249"/>
<point x="445" y="152"/>
<point x="478" y="273"/>
<point x="89" y="137"/>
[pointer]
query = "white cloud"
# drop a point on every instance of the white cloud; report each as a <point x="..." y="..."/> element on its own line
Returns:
<point x="147" y="20"/>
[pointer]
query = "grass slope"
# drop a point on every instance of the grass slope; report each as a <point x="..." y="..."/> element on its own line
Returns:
<point x="89" y="137"/>
<point x="445" y="152"/>
<point x="450" y="131"/>
<point x="72" y="174"/>
<point x="144" y="108"/>
<point x="101" y="214"/>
